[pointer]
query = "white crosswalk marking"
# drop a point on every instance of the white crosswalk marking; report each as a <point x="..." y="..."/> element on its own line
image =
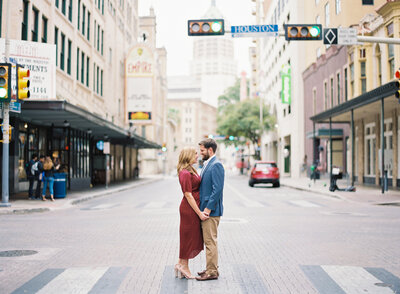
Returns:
<point x="155" y="205"/>
<point x="354" y="280"/>
<point x="74" y="280"/>
<point x="246" y="201"/>
<point x="303" y="203"/>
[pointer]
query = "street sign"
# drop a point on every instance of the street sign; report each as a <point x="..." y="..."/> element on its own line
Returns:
<point x="330" y="36"/>
<point x="254" y="31"/>
<point x="347" y="36"/>
<point x="340" y="36"/>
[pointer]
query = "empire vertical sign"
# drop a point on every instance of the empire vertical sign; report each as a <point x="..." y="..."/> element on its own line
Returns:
<point x="286" y="93"/>
<point x="139" y="73"/>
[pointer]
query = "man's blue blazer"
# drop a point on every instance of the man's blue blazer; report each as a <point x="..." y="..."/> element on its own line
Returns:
<point x="211" y="187"/>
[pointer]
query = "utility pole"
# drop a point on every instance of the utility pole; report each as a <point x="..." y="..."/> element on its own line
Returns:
<point x="6" y="125"/>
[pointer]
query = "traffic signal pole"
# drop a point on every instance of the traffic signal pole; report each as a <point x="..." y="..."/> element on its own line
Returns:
<point x="6" y="125"/>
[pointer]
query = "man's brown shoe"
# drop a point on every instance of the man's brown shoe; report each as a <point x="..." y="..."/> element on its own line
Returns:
<point x="201" y="273"/>
<point x="206" y="277"/>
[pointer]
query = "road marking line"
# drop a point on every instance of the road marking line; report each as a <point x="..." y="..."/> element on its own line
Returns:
<point x="354" y="279"/>
<point x="304" y="203"/>
<point x="38" y="282"/>
<point x="155" y="205"/>
<point x="110" y="281"/>
<point x="386" y="277"/>
<point x="74" y="280"/>
<point x="246" y="201"/>
<point x="321" y="280"/>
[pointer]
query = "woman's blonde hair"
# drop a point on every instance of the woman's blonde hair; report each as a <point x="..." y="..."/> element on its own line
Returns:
<point x="48" y="164"/>
<point x="185" y="158"/>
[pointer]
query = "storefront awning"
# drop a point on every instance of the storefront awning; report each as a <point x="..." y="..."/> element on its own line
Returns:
<point x="61" y="114"/>
<point x="324" y="134"/>
<point x="364" y="105"/>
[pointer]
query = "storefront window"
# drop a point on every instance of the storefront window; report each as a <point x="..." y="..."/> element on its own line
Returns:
<point x="370" y="150"/>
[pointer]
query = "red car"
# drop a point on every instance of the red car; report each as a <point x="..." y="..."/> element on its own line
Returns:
<point x="264" y="172"/>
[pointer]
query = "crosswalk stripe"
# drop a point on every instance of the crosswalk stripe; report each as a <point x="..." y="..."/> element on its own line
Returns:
<point x="110" y="281"/>
<point x="303" y="203"/>
<point x="245" y="201"/>
<point x="155" y="205"/>
<point x="38" y="282"/>
<point x="74" y="280"/>
<point x="354" y="279"/>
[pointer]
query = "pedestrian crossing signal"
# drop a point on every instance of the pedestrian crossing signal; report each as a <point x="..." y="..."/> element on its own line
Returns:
<point x="206" y="27"/>
<point x="5" y="82"/>
<point x="23" y="83"/>
<point x="303" y="32"/>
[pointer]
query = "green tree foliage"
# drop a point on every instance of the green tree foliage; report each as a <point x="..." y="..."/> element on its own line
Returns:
<point x="241" y="119"/>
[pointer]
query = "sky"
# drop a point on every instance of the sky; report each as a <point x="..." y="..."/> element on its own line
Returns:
<point x="172" y="17"/>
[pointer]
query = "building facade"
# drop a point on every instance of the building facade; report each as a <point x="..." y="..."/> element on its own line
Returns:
<point x="91" y="40"/>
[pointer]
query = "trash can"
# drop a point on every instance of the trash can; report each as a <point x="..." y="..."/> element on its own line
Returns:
<point x="60" y="185"/>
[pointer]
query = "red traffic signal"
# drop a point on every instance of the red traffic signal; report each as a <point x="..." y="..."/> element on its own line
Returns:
<point x="206" y="27"/>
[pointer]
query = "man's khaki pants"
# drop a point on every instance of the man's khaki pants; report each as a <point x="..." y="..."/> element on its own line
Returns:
<point x="210" y="230"/>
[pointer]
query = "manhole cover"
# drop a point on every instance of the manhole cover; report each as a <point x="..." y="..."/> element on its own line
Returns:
<point x="15" y="253"/>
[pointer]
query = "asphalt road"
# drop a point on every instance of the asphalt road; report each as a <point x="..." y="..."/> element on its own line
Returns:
<point x="271" y="240"/>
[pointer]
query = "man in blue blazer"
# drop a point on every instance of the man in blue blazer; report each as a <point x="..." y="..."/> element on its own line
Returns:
<point x="211" y="196"/>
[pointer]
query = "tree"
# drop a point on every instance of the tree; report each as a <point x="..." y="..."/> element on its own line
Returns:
<point x="242" y="118"/>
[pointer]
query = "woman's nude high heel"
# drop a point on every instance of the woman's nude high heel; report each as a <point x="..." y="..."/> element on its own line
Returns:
<point x="178" y="273"/>
<point x="185" y="274"/>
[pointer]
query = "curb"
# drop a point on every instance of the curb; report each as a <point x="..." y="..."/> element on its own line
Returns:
<point x="71" y="202"/>
<point x="330" y="194"/>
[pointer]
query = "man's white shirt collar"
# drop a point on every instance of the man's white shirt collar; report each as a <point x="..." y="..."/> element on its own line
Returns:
<point x="207" y="161"/>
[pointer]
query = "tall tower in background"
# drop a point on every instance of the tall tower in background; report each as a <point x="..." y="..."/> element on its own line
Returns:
<point x="213" y="63"/>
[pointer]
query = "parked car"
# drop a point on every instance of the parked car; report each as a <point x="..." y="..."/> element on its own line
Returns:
<point x="264" y="172"/>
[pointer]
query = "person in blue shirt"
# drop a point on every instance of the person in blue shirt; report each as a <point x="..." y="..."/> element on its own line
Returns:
<point x="211" y="196"/>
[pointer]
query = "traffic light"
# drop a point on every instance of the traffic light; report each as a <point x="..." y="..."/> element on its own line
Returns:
<point x="23" y="83"/>
<point x="5" y="82"/>
<point x="206" y="27"/>
<point x="305" y="32"/>
<point x="164" y="147"/>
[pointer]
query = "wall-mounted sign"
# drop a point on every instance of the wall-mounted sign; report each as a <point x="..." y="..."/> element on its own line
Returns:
<point x="139" y="72"/>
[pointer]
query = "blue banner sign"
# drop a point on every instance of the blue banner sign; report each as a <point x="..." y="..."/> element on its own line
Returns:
<point x="254" y="31"/>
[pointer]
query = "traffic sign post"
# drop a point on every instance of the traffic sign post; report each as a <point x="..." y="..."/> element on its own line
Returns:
<point x="254" y="31"/>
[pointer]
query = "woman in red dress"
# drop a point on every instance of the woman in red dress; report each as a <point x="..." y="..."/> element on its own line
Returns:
<point x="191" y="238"/>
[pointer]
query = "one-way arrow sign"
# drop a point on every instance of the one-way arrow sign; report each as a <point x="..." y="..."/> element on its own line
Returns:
<point x="330" y="36"/>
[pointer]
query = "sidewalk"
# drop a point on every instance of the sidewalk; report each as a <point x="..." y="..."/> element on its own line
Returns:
<point x="364" y="194"/>
<point x="20" y="204"/>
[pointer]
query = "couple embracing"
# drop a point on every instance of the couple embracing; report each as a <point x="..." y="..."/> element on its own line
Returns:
<point x="200" y="209"/>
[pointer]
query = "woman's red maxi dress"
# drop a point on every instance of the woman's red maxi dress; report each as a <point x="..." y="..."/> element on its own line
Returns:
<point x="191" y="238"/>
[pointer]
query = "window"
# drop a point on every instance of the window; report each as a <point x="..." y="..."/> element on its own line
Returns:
<point x="338" y="88"/>
<point x="102" y="36"/>
<point x="94" y="77"/>
<point x="69" y="57"/>
<point x="97" y="80"/>
<point x="87" y="71"/>
<point x="62" y="53"/>
<point x="352" y="79"/>
<point x="101" y="83"/>
<point x="363" y="77"/>
<point x="35" y="24"/>
<point x="338" y="6"/>
<point x="57" y="3"/>
<point x="88" y="26"/>
<point x="44" y="29"/>
<point x="83" y="19"/>
<point x="64" y="6"/>
<point x="70" y="11"/>
<point x="79" y="13"/>
<point x="388" y="140"/>
<point x="110" y="56"/>
<point x="331" y="92"/>
<point x="391" y="60"/>
<point x="367" y="2"/>
<point x="56" y="43"/>
<point x="327" y="14"/>
<point x="370" y="149"/>
<point x="94" y="36"/>
<point x="77" y="64"/>
<point x="326" y="95"/>
<point x="83" y="68"/>
<point x="98" y="37"/>
<point x="24" y="31"/>
<point x="345" y="85"/>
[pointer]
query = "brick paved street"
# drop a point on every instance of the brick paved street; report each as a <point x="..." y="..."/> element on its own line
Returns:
<point x="271" y="240"/>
